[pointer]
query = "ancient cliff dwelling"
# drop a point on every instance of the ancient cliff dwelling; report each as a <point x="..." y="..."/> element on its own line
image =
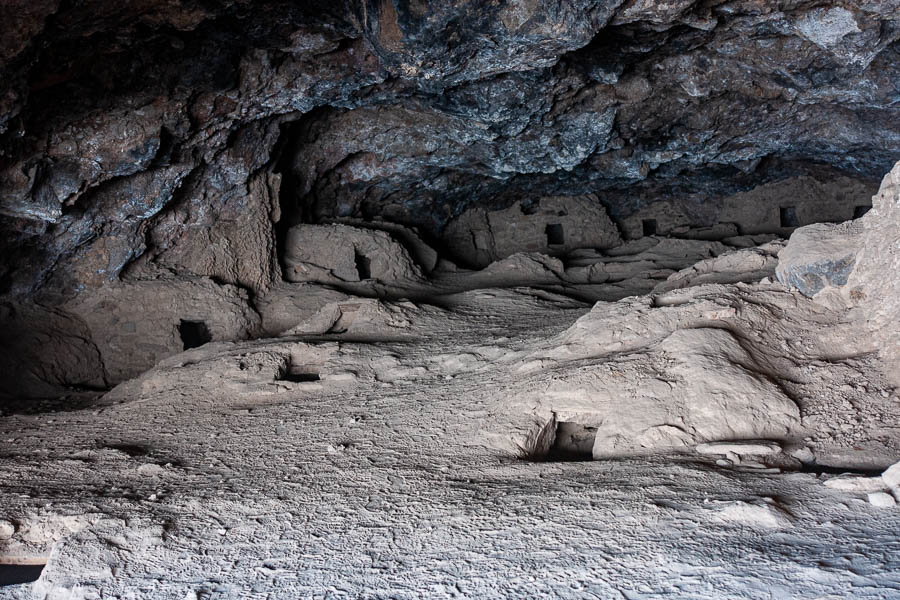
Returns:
<point x="398" y="299"/>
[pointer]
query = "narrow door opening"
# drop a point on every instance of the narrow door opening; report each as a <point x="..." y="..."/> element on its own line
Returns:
<point x="572" y="442"/>
<point x="649" y="227"/>
<point x="363" y="265"/>
<point x="789" y="217"/>
<point x="193" y="333"/>
<point x="555" y="235"/>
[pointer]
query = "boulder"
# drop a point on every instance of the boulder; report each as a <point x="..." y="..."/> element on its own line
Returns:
<point x="819" y="256"/>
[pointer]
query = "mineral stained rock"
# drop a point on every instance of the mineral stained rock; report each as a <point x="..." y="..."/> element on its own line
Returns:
<point x="819" y="256"/>
<point x="179" y="115"/>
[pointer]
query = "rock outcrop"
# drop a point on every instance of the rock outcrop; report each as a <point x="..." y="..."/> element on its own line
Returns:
<point x="854" y="264"/>
<point x="340" y="253"/>
<point x="819" y="256"/>
<point x="152" y="140"/>
<point x="554" y="226"/>
<point x="178" y="117"/>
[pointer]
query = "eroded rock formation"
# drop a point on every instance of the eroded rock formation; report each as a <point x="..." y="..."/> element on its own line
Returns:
<point x="303" y="299"/>
<point x="146" y="133"/>
<point x="153" y="141"/>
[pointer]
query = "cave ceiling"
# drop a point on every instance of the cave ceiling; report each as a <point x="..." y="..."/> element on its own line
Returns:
<point x="128" y="130"/>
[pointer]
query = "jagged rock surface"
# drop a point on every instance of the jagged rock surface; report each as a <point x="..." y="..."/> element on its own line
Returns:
<point x="177" y="117"/>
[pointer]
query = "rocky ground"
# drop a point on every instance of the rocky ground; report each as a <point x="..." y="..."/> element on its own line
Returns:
<point x="725" y="439"/>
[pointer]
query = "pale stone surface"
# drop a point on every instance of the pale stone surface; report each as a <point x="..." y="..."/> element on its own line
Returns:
<point x="891" y="478"/>
<point x="556" y="225"/>
<point x="882" y="500"/>
<point x="740" y="447"/>
<point x="750" y="264"/>
<point x="389" y="434"/>
<point x="135" y="324"/>
<point x="853" y="265"/>
<point x="340" y="253"/>
<point x="325" y="450"/>
<point x="855" y="483"/>
<point x="826" y="27"/>
<point x="422" y="254"/>
<point x="819" y="256"/>
<point x="763" y="514"/>
<point x="873" y="283"/>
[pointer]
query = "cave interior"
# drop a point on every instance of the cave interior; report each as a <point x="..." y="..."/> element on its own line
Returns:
<point x="469" y="299"/>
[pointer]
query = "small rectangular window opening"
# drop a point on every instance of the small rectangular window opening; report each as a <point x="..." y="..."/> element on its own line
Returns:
<point x="299" y="377"/>
<point x="555" y="235"/>
<point x="299" y="373"/>
<point x="788" y="215"/>
<point x="193" y="333"/>
<point x="648" y="226"/>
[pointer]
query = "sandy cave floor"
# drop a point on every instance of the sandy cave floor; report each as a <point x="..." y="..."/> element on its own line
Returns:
<point x="213" y="476"/>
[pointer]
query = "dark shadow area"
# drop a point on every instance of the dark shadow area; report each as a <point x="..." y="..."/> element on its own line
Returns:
<point x="193" y="333"/>
<point x="29" y="405"/>
<point x="828" y="470"/>
<point x="299" y="377"/>
<point x="555" y="234"/>
<point x="648" y="227"/>
<point x="299" y="373"/>
<point x="572" y="442"/>
<point x="363" y="265"/>
<point x="19" y="574"/>
<point x="859" y="211"/>
<point x="788" y="216"/>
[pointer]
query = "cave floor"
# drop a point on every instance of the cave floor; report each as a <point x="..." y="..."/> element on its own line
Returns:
<point x="366" y="465"/>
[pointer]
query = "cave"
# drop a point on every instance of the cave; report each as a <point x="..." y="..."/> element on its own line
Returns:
<point x="503" y="299"/>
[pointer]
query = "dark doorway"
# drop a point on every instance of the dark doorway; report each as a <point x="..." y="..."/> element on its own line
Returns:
<point x="299" y="377"/>
<point x="648" y="226"/>
<point x="859" y="211"/>
<point x="572" y="442"/>
<point x="299" y="373"/>
<point x="193" y="333"/>
<point x="555" y="235"/>
<point x="363" y="265"/>
<point x="19" y="574"/>
<point x="788" y="215"/>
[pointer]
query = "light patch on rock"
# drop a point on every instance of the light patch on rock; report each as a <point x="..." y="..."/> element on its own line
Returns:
<point x="882" y="500"/>
<point x="741" y="448"/>
<point x="827" y="27"/>
<point x="764" y="514"/>
<point x="856" y="484"/>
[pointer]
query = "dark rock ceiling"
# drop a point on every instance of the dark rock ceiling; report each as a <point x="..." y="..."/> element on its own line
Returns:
<point x="146" y="136"/>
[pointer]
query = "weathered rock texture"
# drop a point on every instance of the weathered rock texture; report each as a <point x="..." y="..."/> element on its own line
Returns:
<point x="175" y="115"/>
<point x="554" y="225"/>
<point x="855" y="265"/>
<point x="156" y="139"/>
<point x="340" y="253"/>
